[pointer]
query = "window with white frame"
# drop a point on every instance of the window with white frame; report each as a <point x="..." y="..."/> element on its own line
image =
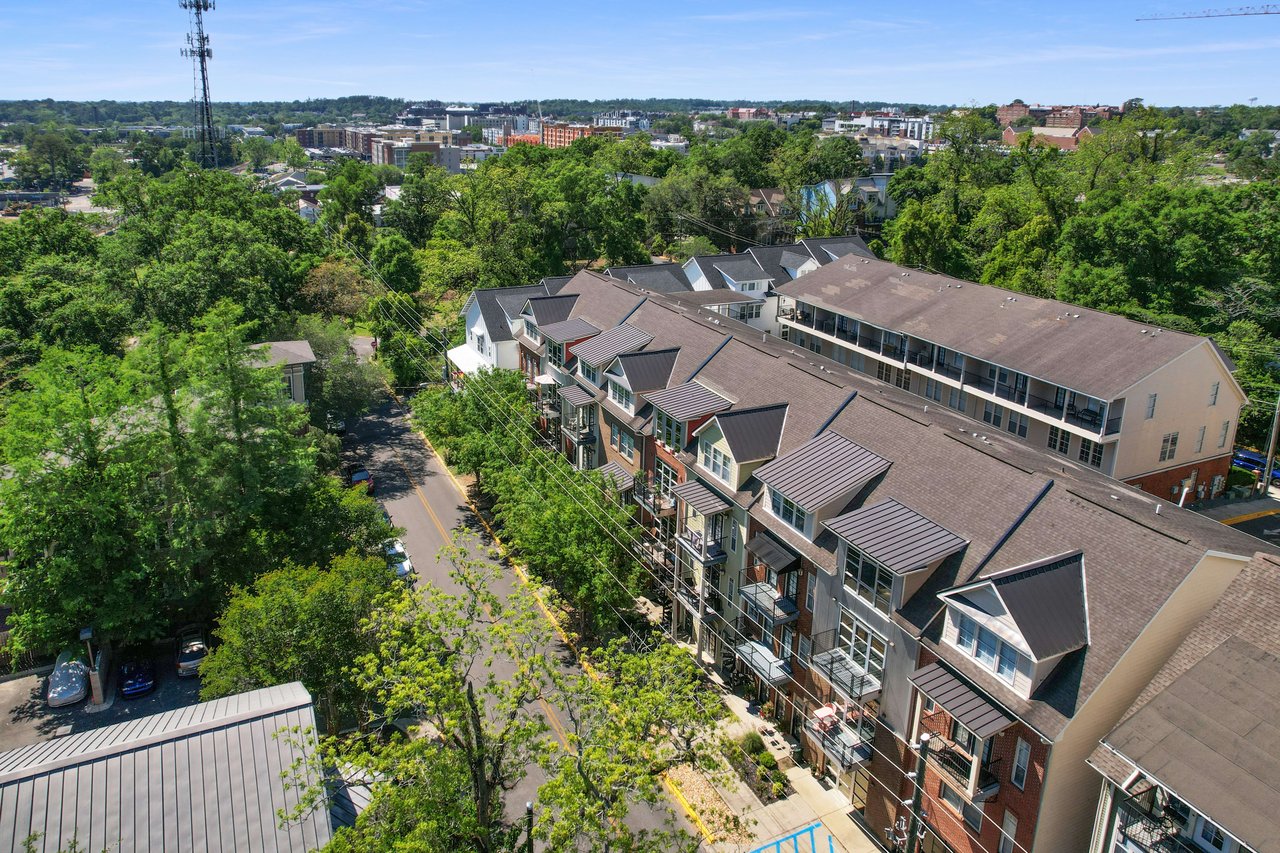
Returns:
<point x="620" y="395"/>
<point x="933" y="390"/>
<point x="864" y="646"/>
<point x="1021" y="761"/>
<point x="1168" y="446"/>
<point x="868" y="580"/>
<point x="627" y="445"/>
<point x="669" y="431"/>
<point x="1222" y="436"/>
<point x="555" y="353"/>
<point x="715" y="460"/>
<point x="1213" y="393"/>
<point x="810" y="591"/>
<point x="480" y="344"/>
<point x="1008" y="831"/>
<point x="991" y="652"/>
<point x="664" y="478"/>
<point x="992" y="413"/>
<point x="746" y="312"/>
<point x="589" y="373"/>
<point x="1017" y="424"/>
<point x="531" y="329"/>
<point x="957" y="400"/>
<point x="1059" y="440"/>
<point x="972" y="814"/>
<point x="1200" y="440"/>
<point x="787" y="510"/>
<point x="613" y="436"/>
<point x="1091" y="452"/>
<point x="1151" y="406"/>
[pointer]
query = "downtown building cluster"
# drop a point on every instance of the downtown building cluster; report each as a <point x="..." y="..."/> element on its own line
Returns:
<point x="905" y="505"/>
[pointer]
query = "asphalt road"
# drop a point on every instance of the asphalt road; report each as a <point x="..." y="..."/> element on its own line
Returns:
<point x="424" y="500"/>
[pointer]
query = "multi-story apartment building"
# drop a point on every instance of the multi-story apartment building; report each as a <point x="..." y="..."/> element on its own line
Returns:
<point x="557" y="134"/>
<point x="1150" y="406"/>
<point x="881" y="566"/>
<point x="1193" y="767"/>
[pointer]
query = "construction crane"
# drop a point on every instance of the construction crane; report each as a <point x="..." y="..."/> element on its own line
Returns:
<point x="1235" y="12"/>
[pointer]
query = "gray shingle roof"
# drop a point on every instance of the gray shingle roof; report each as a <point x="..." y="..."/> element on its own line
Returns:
<point x="204" y="777"/>
<point x="697" y="495"/>
<point x="827" y="249"/>
<point x="499" y="304"/>
<point x="649" y="370"/>
<point x="896" y="536"/>
<point x="741" y="268"/>
<point x="660" y="278"/>
<point x="609" y="344"/>
<point x="688" y="401"/>
<point x="1089" y="351"/>
<point x="572" y="329"/>
<point x="551" y="309"/>
<point x="978" y="714"/>
<point x="286" y="352"/>
<point x="753" y="434"/>
<point x="793" y="260"/>
<point x="821" y="470"/>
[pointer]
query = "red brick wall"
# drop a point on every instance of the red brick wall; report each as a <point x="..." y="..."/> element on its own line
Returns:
<point x="1162" y="483"/>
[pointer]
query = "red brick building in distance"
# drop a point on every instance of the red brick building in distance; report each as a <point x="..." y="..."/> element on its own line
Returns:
<point x="1066" y="138"/>
<point x="562" y="134"/>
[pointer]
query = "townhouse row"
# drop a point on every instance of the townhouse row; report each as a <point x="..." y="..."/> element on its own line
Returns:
<point x="880" y="566"/>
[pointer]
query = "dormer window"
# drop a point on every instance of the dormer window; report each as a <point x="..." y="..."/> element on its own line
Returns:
<point x="991" y="652"/>
<point x="868" y="580"/>
<point x="589" y="373"/>
<point x="620" y="395"/>
<point x="715" y="460"/>
<point x="531" y="329"/>
<point x="788" y="511"/>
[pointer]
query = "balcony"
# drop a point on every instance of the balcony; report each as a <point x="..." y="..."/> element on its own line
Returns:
<point x="659" y="504"/>
<point x="957" y="765"/>
<point x="847" y="679"/>
<point x="706" y="546"/>
<point x="577" y="430"/>
<point x="838" y="737"/>
<point x="1139" y="828"/>
<point x="764" y="663"/>
<point x="771" y="605"/>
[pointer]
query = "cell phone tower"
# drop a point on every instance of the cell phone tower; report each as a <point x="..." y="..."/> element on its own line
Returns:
<point x="200" y="53"/>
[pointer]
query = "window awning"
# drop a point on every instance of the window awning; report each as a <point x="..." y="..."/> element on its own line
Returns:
<point x="978" y="714"/>
<point x="774" y="606"/>
<point x="699" y="497"/>
<point x="622" y="478"/>
<point x="575" y="396"/>
<point x="466" y="359"/>
<point x="768" y="551"/>
<point x="763" y="662"/>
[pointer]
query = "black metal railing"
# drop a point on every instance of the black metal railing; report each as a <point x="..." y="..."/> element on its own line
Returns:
<point x="950" y="371"/>
<point x="708" y="546"/>
<point x="1151" y="832"/>
<point x="837" y="668"/>
<point x="978" y="380"/>
<point x="647" y="495"/>
<point x="839" y="740"/>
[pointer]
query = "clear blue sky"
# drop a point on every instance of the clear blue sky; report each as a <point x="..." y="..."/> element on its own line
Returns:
<point x="933" y="52"/>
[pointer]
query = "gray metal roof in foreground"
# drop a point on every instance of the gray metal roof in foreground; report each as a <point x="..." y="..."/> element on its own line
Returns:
<point x="688" y="401"/>
<point x="204" y="777"/>
<point x="822" y="469"/>
<point x="959" y="700"/>
<point x="896" y="536"/>
<point x="604" y="347"/>
<point x="698" y="496"/>
<point x="753" y="434"/>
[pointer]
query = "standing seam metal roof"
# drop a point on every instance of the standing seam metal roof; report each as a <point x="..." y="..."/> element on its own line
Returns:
<point x="1046" y="601"/>
<point x="572" y="329"/>
<point x="204" y="777"/>
<point x="698" y="496"/>
<point x="576" y="396"/>
<point x="648" y="370"/>
<point x="551" y="309"/>
<point x="822" y="469"/>
<point x="688" y="401"/>
<point x="896" y="536"/>
<point x="607" y="345"/>
<point x="960" y="700"/>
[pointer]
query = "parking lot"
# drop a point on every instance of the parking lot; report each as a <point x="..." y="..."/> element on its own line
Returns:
<point x="26" y="718"/>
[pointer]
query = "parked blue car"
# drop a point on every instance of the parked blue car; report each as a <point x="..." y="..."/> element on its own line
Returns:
<point x="1251" y="460"/>
<point x="137" y="677"/>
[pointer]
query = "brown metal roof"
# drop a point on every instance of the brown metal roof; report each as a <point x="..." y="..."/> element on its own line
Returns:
<point x="821" y="470"/>
<point x="1091" y="351"/>
<point x="699" y="497"/>
<point x="688" y="401"/>
<point x="961" y="701"/>
<point x="609" y="344"/>
<point x="1046" y="601"/>
<point x="576" y="396"/>
<point x="575" y="328"/>
<point x="896" y="536"/>
<point x="772" y="554"/>
<point x="551" y="309"/>
<point x="753" y="434"/>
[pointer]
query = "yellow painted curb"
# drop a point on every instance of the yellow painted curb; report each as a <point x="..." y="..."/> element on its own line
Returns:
<point x="688" y="809"/>
<point x="1251" y="516"/>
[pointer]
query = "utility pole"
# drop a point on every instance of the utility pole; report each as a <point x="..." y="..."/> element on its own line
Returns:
<point x="528" y="817"/>
<point x="917" y="796"/>
<point x="1271" y="451"/>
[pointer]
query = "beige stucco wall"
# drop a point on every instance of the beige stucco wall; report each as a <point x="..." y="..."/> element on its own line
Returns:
<point x="1182" y="405"/>
<point x="1072" y="788"/>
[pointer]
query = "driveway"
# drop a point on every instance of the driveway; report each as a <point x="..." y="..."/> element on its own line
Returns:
<point x="26" y="718"/>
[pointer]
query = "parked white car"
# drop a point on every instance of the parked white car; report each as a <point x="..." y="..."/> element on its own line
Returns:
<point x="69" y="681"/>
<point x="398" y="559"/>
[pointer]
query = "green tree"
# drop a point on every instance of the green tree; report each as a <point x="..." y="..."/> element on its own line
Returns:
<point x="257" y="151"/>
<point x="351" y="188"/>
<point x="337" y="288"/>
<point x="396" y="264"/>
<point x="303" y="624"/>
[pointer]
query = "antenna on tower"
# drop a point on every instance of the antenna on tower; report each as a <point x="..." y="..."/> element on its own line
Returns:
<point x="198" y="49"/>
